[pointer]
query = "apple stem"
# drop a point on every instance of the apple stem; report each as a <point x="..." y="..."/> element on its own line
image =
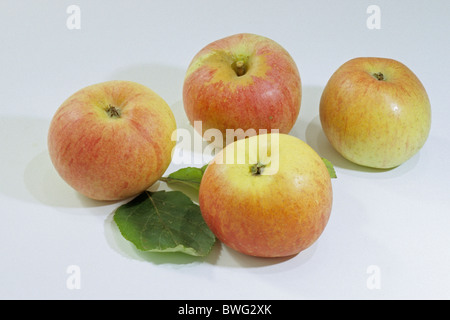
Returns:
<point x="379" y="76"/>
<point x="257" y="169"/>
<point x="240" y="68"/>
<point x="112" y="111"/>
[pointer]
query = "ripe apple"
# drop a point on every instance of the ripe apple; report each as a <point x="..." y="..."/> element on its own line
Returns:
<point x="271" y="201"/>
<point x="375" y="112"/>
<point x="244" y="81"/>
<point x="112" y="140"/>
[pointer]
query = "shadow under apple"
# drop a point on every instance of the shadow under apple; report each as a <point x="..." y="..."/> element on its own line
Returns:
<point x="220" y="254"/>
<point x="26" y="169"/>
<point x="45" y="185"/>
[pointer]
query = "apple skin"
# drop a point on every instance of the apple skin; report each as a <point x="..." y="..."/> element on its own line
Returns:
<point x="371" y="122"/>
<point x="112" y="158"/>
<point x="267" y="96"/>
<point x="267" y="215"/>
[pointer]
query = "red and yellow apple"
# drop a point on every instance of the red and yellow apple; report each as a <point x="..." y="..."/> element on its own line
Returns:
<point x="244" y="81"/>
<point x="269" y="195"/>
<point x="375" y="112"/>
<point x="112" y="140"/>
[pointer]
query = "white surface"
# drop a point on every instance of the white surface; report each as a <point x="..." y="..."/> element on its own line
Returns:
<point x="396" y="220"/>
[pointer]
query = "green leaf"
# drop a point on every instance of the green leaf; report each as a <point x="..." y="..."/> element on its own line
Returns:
<point x="330" y="168"/>
<point x="165" y="222"/>
<point x="189" y="176"/>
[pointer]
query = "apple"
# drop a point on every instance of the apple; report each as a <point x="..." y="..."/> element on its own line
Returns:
<point x="112" y="140"/>
<point x="375" y="112"/>
<point x="244" y="81"/>
<point x="269" y="195"/>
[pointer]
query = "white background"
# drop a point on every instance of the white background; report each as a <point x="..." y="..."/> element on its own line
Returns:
<point x="396" y="220"/>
